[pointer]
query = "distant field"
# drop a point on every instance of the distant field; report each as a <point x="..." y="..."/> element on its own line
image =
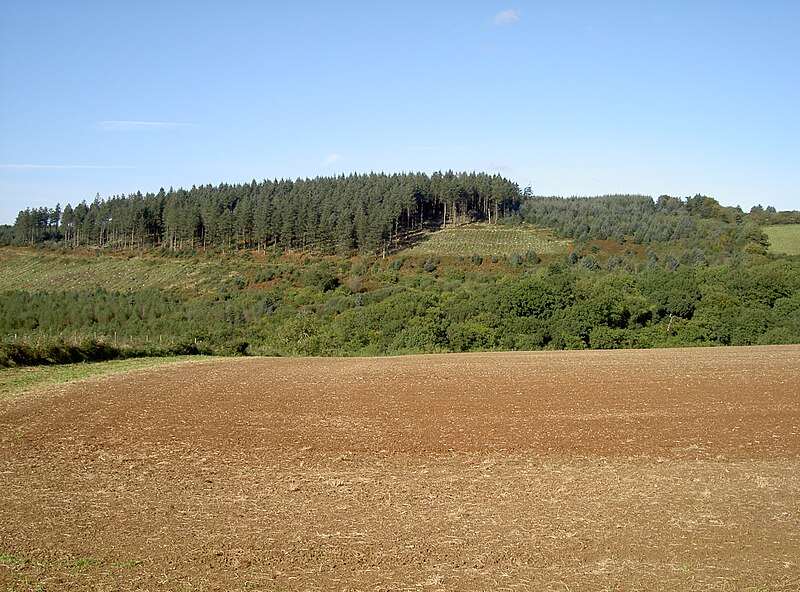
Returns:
<point x="485" y="239"/>
<point x="784" y="238"/>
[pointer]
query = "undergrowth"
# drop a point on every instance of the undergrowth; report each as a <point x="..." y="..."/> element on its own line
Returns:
<point x="60" y="351"/>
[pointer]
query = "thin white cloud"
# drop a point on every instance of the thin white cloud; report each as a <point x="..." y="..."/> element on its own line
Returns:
<point x="500" y="166"/>
<point x="505" y="17"/>
<point x="62" y="166"/>
<point x="331" y="158"/>
<point x="138" y="126"/>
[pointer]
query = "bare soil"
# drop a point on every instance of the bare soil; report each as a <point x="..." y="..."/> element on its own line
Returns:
<point x="629" y="470"/>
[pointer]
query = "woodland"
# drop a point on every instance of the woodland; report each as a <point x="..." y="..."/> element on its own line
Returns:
<point x="331" y="266"/>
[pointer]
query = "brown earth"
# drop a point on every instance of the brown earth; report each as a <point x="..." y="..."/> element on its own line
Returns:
<point x="630" y="470"/>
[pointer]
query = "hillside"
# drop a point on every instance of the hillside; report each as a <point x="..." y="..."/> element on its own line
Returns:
<point x="490" y="240"/>
<point x="598" y="294"/>
<point x="32" y="270"/>
<point x="460" y="269"/>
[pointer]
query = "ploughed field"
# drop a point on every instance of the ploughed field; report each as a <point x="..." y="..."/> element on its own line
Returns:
<point x="651" y="469"/>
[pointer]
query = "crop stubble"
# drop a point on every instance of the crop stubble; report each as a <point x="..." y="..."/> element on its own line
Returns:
<point x="673" y="469"/>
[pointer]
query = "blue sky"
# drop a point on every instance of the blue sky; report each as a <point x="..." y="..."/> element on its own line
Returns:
<point x="569" y="97"/>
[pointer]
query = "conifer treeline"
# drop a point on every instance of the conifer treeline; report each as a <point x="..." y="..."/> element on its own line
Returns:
<point x="697" y="221"/>
<point x="340" y="214"/>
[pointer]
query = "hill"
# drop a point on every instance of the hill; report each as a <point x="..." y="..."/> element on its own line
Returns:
<point x="441" y="263"/>
<point x="599" y="294"/>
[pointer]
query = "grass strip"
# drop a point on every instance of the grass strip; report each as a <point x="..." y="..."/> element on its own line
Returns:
<point x="14" y="381"/>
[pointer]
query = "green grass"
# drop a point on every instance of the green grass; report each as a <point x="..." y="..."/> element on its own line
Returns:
<point x="784" y="238"/>
<point x="127" y="564"/>
<point x="12" y="560"/>
<point x="27" y="574"/>
<point x="14" y="381"/>
<point x="488" y="240"/>
<point x="82" y="563"/>
<point x="31" y="269"/>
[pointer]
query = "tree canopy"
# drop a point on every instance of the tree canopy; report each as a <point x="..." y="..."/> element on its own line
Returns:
<point x="367" y="213"/>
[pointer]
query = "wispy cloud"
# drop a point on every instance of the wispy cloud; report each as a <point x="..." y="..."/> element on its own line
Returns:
<point x="505" y="17"/>
<point x="138" y="126"/>
<point x="331" y="158"/>
<point x="500" y="166"/>
<point x="62" y="166"/>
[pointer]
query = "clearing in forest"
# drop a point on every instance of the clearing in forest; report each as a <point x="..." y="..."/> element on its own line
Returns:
<point x="490" y="239"/>
<point x="784" y="238"/>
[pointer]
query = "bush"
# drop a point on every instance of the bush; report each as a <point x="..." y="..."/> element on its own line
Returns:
<point x="430" y="264"/>
<point x="321" y="279"/>
<point x="532" y="257"/>
<point x="57" y="352"/>
<point x="469" y="336"/>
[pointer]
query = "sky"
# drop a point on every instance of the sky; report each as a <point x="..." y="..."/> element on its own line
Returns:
<point x="568" y="97"/>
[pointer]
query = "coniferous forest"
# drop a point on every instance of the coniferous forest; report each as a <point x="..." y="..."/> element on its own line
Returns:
<point x="335" y="266"/>
<point x="365" y="213"/>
